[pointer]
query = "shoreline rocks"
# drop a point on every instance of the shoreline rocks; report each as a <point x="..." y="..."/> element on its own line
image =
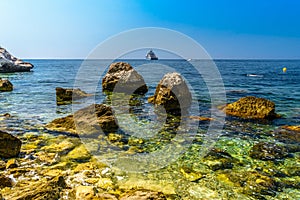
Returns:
<point x="9" y="63"/>
<point x="67" y="95"/>
<point x="121" y="77"/>
<point x="9" y="145"/>
<point x="252" y="108"/>
<point x="5" y="85"/>
<point x="92" y="120"/>
<point x="173" y="94"/>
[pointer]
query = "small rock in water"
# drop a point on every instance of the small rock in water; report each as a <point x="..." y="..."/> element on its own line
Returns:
<point x="9" y="145"/>
<point x="252" y="108"/>
<point x="143" y="195"/>
<point x="12" y="163"/>
<point x="5" y="181"/>
<point x="5" y="85"/>
<point x="66" y="95"/>
<point x="268" y="151"/>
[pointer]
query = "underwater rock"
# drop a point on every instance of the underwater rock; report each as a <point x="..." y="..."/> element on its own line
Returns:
<point x="9" y="63"/>
<point x="121" y="77"/>
<point x="2" y="165"/>
<point x="143" y="195"/>
<point x="5" y="181"/>
<point x="268" y="151"/>
<point x="85" y="192"/>
<point x="217" y="159"/>
<point x="80" y="153"/>
<point x="173" y="94"/>
<point x="9" y="145"/>
<point x="252" y="108"/>
<point x="90" y="121"/>
<point x="39" y="190"/>
<point x="5" y="85"/>
<point x="12" y="163"/>
<point x="288" y="134"/>
<point x="66" y="95"/>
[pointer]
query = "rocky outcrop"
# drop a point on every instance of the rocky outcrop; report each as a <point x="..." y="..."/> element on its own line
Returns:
<point x="9" y="145"/>
<point x="121" y="77"/>
<point x="252" y="108"/>
<point x="172" y="93"/>
<point x="5" y="85"/>
<point x="66" y="95"/>
<point x="9" y="63"/>
<point x="92" y="120"/>
<point x="268" y="151"/>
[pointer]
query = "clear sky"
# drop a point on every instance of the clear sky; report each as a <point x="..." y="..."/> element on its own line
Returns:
<point x="225" y="28"/>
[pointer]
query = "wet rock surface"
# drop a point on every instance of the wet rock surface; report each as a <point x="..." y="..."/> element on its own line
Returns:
<point x="92" y="120"/>
<point x="5" y="85"/>
<point x="252" y="108"/>
<point x="172" y="93"/>
<point x="268" y="151"/>
<point x="9" y="145"/>
<point x="121" y="77"/>
<point x="67" y="95"/>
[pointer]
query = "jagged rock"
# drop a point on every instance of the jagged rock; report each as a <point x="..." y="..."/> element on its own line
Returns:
<point x="268" y="151"/>
<point x="172" y="93"/>
<point x="9" y="145"/>
<point x="9" y="63"/>
<point x="39" y="190"/>
<point x="121" y="77"/>
<point x="252" y="108"/>
<point x="90" y="121"/>
<point x="5" y="181"/>
<point x="5" y="85"/>
<point x="66" y="95"/>
<point x="143" y="195"/>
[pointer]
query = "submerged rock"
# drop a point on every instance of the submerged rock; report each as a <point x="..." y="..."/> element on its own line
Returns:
<point x="173" y="94"/>
<point x="9" y="63"/>
<point x="143" y="195"/>
<point x="288" y="134"/>
<point x="5" y="181"/>
<point x="92" y="120"/>
<point x="121" y="77"/>
<point x="9" y="145"/>
<point x="268" y="151"/>
<point x="66" y="95"/>
<point x="5" y="85"/>
<point x="252" y="108"/>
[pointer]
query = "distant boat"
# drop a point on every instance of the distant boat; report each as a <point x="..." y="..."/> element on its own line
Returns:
<point x="151" y="56"/>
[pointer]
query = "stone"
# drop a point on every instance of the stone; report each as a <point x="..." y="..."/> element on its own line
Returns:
<point x="39" y="190"/>
<point x="90" y="121"/>
<point x="268" y="151"/>
<point x="5" y="85"/>
<point x="80" y="153"/>
<point x="9" y="63"/>
<point x="67" y="95"/>
<point x="2" y="165"/>
<point x="173" y="94"/>
<point x="288" y="134"/>
<point x="252" y="108"/>
<point x="85" y="192"/>
<point x="9" y="145"/>
<point x="5" y="181"/>
<point x="143" y="195"/>
<point x="12" y="163"/>
<point x="121" y="77"/>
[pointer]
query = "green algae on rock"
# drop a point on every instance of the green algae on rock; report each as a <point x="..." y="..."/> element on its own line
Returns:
<point x="268" y="151"/>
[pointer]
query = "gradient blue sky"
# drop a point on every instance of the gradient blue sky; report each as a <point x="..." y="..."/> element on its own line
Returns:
<point x="225" y="28"/>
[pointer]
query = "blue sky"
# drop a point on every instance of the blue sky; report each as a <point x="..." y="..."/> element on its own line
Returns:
<point x="225" y="28"/>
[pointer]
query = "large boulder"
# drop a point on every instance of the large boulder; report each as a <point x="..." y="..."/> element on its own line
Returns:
<point x="121" y="77"/>
<point x="252" y="108"/>
<point x="89" y="121"/>
<point x="9" y="145"/>
<point x="173" y="94"/>
<point x="66" y="95"/>
<point x="9" y="63"/>
<point x="5" y="85"/>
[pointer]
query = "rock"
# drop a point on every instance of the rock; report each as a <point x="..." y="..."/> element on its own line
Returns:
<point x="85" y="192"/>
<point x="268" y="151"/>
<point x="172" y="93"/>
<point x="90" y="121"/>
<point x="9" y="145"/>
<point x="5" y="85"/>
<point x="39" y="190"/>
<point x="9" y="63"/>
<point x="5" y="181"/>
<point x="288" y="134"/>
<point x="143" y="195"/>
<point x="121" y="77"/>
<point x="66" y="95"/>
<point x="252" y="108"/>
<point x="12" y="163"/>
<point x="80" y="153"/>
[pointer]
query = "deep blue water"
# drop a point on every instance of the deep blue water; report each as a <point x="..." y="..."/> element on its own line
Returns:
<point x="33" y="96"/>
